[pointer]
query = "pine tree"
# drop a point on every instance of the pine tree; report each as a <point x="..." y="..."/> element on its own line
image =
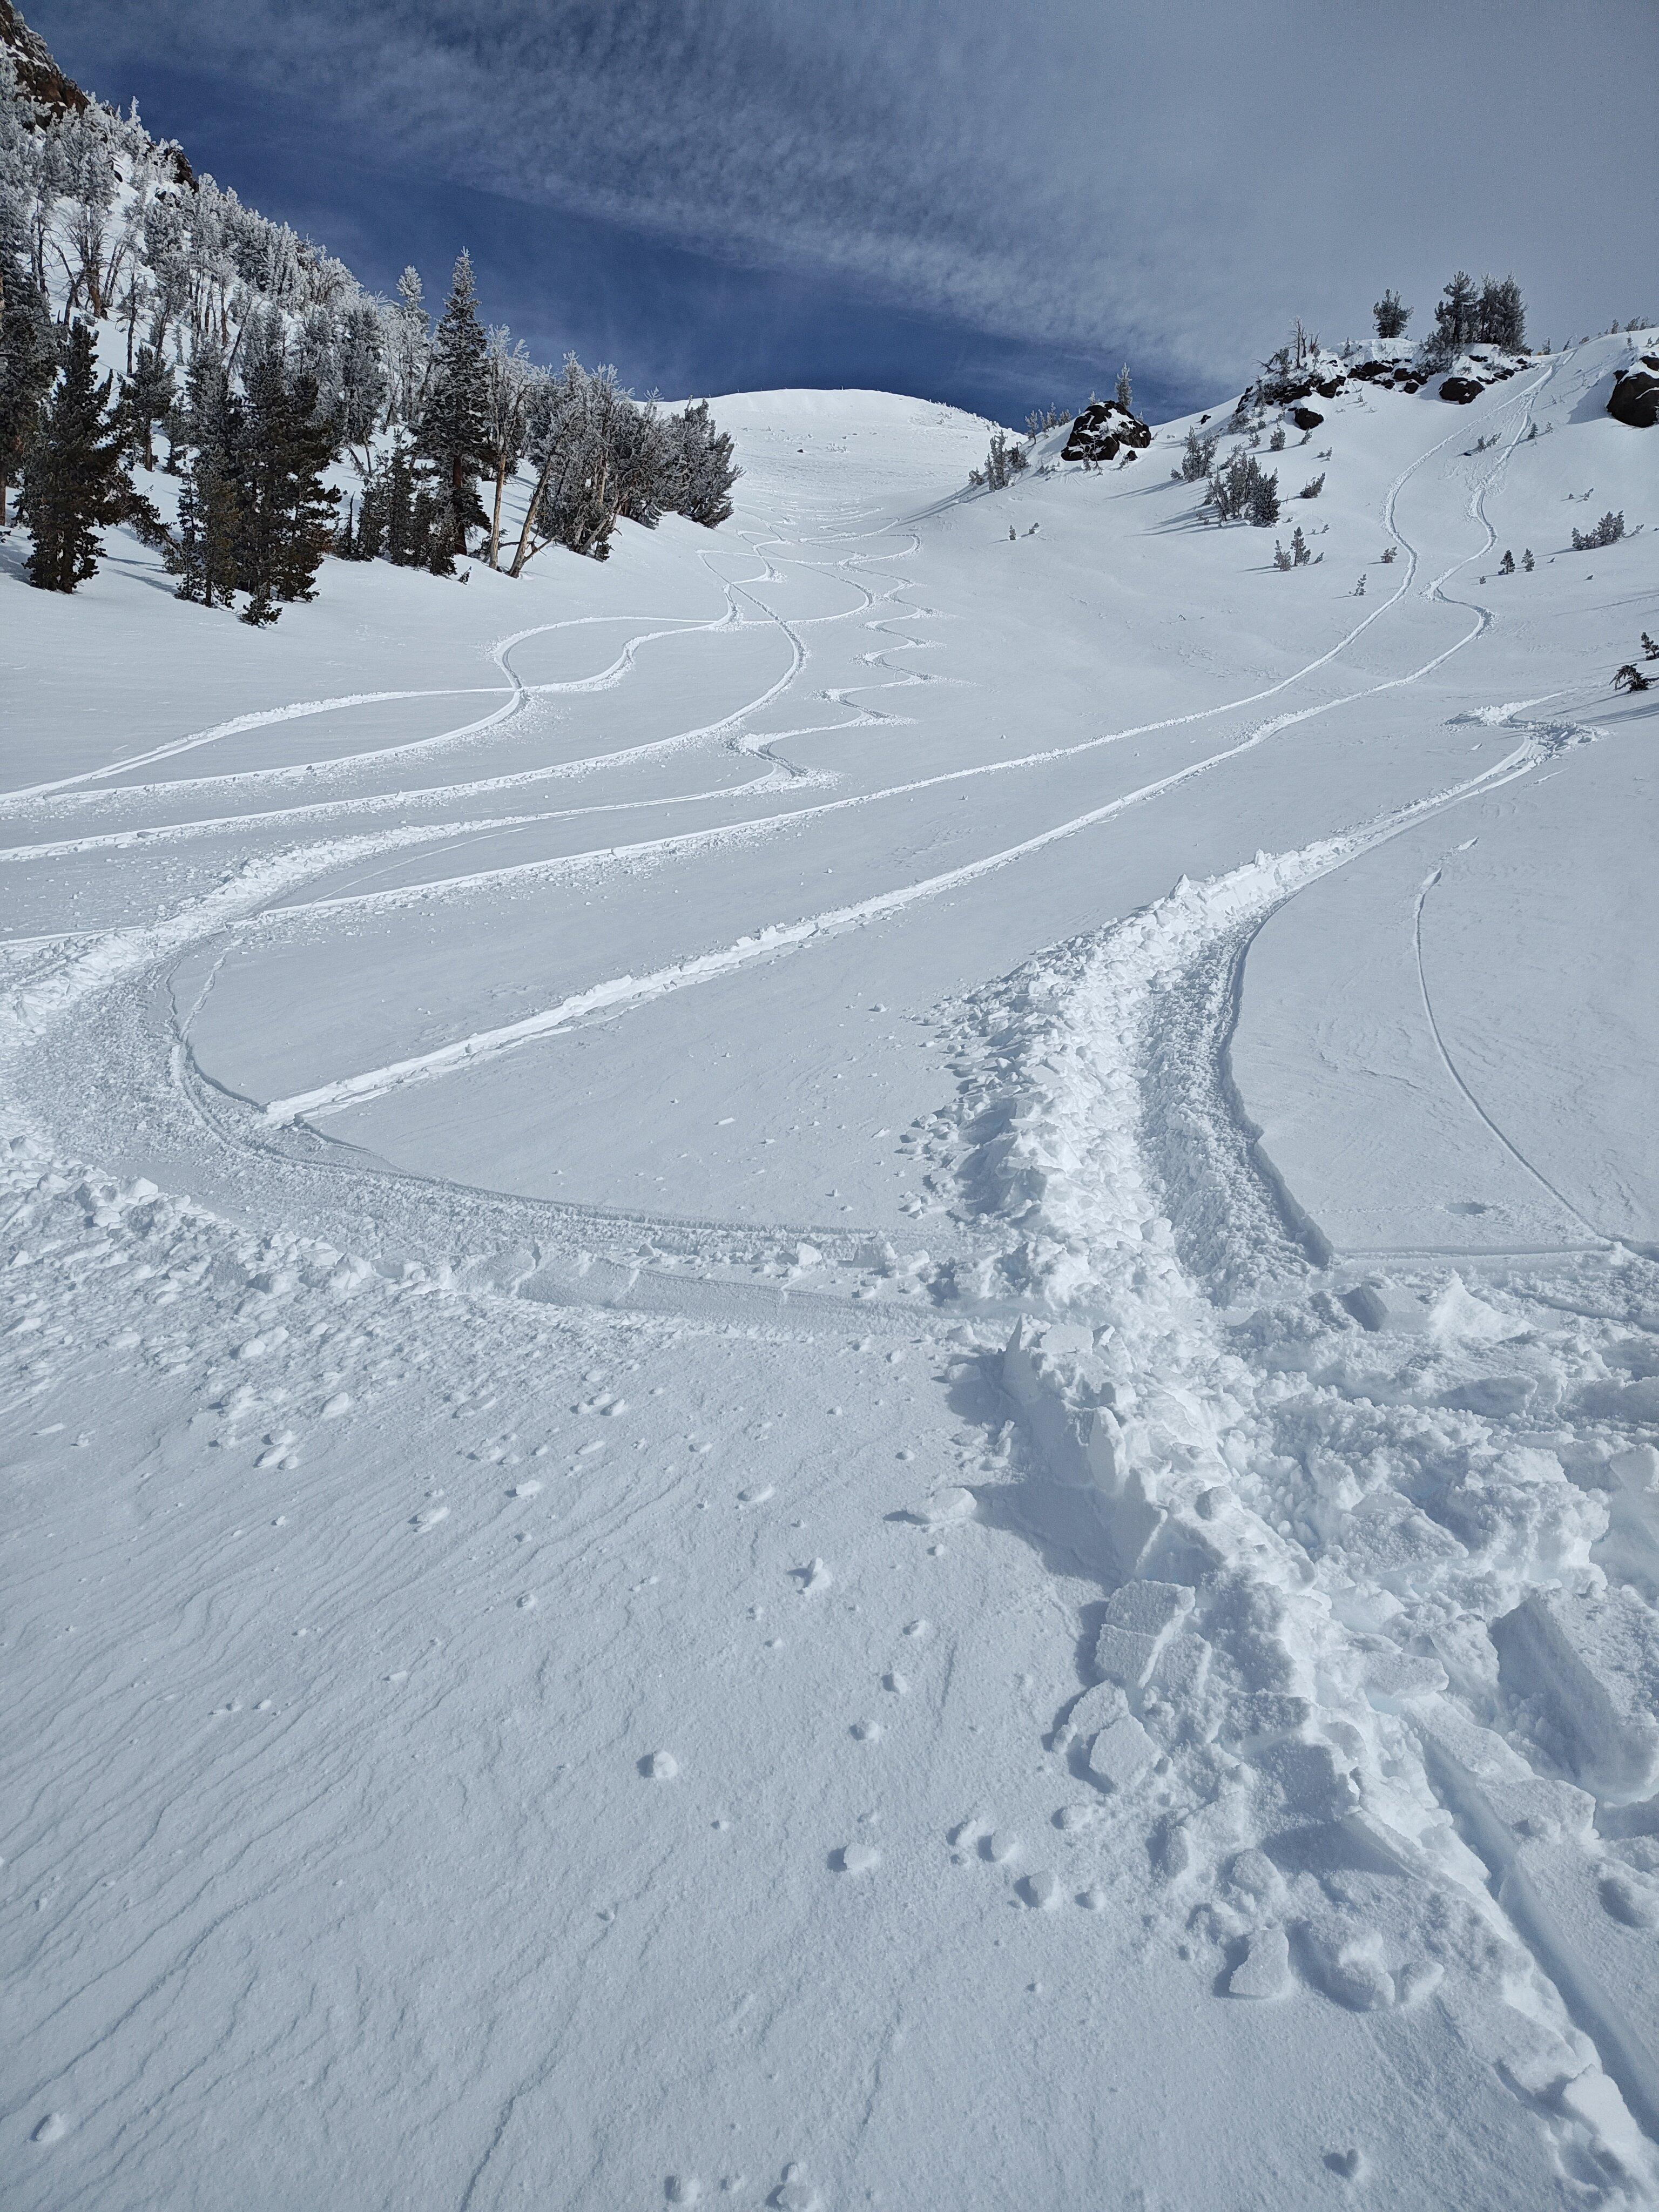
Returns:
<point x="1391" y="315"/>
<point x="1501" y="315"/>
<point x="74" y="479"/>
<point x="703" y="469"/>
<point x="203" y="554"/>
<point x="286" y="515"/>
<point x="453" y="437"/>
<point x="148" y="396"/>
<point x="1125" y="392"/>
<point x="28" y="357"/>
<point x="1456" y="317"/>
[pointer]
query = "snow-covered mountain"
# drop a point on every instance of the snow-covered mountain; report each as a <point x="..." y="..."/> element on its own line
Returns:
<point x="834" y="1357"/>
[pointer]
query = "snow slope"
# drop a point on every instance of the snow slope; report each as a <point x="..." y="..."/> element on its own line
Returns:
<point x="834" y="1355"/>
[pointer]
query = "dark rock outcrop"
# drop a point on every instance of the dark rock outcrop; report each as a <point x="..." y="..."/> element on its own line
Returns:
<point x="1459" y="389"/>
<point x="39" y="80"/>
<point x="1104" y="431"/>
<point x="1635" y="396"/>
<point x="1306" y="418"/>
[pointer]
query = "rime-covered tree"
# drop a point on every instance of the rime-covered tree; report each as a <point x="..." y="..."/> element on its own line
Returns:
<point x="1391" y="315"/>
<point x="510" y="382"/>
<point x="1125" y="393"/>
<point x="704" y="471"/>
<point x="453" y="436"/>
<point x="75" y="478"/>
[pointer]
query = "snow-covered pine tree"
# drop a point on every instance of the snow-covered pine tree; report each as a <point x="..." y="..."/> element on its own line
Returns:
<point x="75" y="478"/>
<point x="452" y="434"/>
<point x="702" y="471"/>
<point x="509" y="382"/>
<point x="1391" y="315"/>
<point x="1125" y="393"/>
<point x="410" y="346"/>
<point x="362" y="384"/>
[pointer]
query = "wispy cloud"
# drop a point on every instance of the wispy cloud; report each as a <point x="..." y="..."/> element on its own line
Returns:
<point x="1176" y="176"/>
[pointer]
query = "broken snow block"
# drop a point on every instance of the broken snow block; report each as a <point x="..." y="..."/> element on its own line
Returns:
<point x="1393" y="1680"/>
<point x="1593" y="1656"/>
<point x="1265" y="1969"/>
<point x="1095" y="1710"/>
<point x="1120" y="1752"/>
<point x="1139" y="1618"/>
<point x="1316" y="1785"/>
<point x="1380" y="1305"/>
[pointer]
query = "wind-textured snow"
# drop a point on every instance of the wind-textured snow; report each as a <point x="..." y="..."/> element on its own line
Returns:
<point x="834" y="1358"/>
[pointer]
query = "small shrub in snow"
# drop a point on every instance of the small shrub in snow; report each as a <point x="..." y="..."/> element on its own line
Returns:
<point x="1630" y="678"/>
<point x="1527" y="561"/>
<point x="1650" y="647"/>
<point x="1312" y="488"/>
<point x="1388" y="552"/>
<point x="1608" y="531"/>
<point x="1276" y="443"/>
<point x="1506" y="566"/>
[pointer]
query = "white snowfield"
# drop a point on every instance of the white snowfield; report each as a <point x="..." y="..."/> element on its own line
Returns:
<point x="833" y="1358"/>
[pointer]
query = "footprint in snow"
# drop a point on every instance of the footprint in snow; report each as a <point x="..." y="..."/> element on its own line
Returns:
<point x="866" y="1731"/>
<point x="814" y="1575"/>
<point x="339" y="1404"/>
<point x="52" y="2129"/>
<point x="1041" y="1891"/>
<point x="427" y="1518"/>
<point x="757" y="1497"/>
<point x="526" y="1490"/>
<point x="681" y="2189"/>
<point x="660" y="1766"/>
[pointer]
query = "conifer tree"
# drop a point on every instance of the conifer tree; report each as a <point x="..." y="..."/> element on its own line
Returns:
<point x="148" y="396"/>
<point x="28" y="357"/>
<point x="1125" y="392"/>
<point x="1391" y="315"/>
<point x="453" y="438"/>
<point x="74" y="479"/>
<point x="203" y="554"/>
<point x="1456" y="316"/>
<point x="286" y="515"/>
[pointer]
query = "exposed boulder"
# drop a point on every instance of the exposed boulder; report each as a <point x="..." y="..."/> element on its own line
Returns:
<point x="1306" y="418"/>
<point x="1635" y="396"/>
<point x="1104" y="431"/>
<point x="1459" y="389"/>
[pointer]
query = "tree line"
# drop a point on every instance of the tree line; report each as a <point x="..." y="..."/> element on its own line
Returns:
<point x="261" y="363"/>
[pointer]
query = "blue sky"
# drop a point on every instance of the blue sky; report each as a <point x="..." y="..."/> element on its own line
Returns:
<point x="984" y="203"/>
